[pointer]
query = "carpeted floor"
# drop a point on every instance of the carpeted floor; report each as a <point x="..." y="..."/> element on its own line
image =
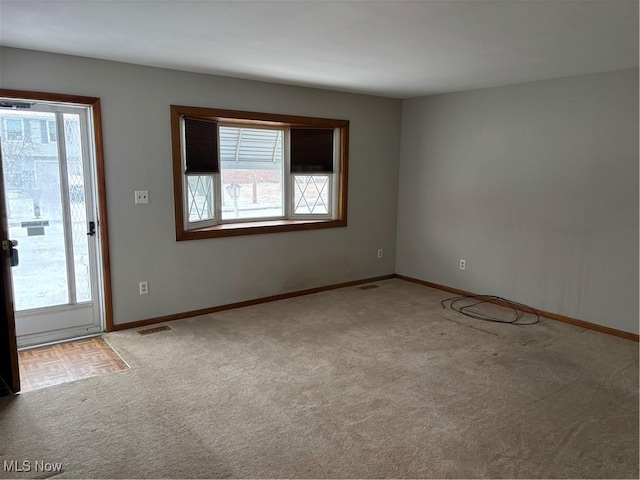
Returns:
<point x="348" y="383"/>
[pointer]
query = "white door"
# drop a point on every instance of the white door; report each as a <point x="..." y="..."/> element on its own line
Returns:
<point x="49" y="167"/>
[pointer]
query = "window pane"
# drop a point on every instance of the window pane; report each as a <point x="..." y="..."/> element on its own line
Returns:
<point x="200" y="197"/>
<point x="33" y="197"/>
<point x="77" y="205"/>
<point x="311" y="195"/>
<point x="14" y="128"/>
<point x="251" y="172"/>
<point x="53" y="134"/>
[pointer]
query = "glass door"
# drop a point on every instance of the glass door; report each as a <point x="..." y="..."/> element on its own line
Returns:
<point x="48" y="180"/>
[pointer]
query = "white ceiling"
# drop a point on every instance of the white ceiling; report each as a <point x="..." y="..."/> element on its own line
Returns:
<point x="396" y="48"/>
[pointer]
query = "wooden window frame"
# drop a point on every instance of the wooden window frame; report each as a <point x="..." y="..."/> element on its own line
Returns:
<point x="255" y="227"/>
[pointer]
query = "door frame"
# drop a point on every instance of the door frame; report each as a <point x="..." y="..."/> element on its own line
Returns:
<point x="101" y="193"/>
<point x="9" y="371"/>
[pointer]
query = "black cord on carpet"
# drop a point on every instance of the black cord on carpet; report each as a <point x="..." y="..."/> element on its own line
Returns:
<point x="518" y="309"/>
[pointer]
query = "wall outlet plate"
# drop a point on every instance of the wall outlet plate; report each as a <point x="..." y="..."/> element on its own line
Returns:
<point x="142" y="196"/>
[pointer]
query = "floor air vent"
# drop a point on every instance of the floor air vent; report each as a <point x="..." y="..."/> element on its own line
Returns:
<point x="368" y="287"/>
<point x="149" y="331"/>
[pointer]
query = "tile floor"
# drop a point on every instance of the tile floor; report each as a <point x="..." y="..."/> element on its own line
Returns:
<point x="64" y="362"/>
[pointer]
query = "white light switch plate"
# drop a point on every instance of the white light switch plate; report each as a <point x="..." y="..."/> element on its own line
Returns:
<point x="142" y="196"/>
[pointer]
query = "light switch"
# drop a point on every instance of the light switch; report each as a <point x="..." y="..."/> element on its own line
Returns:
<point x="142" y="196"/>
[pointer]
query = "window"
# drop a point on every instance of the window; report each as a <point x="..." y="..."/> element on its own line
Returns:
<point x="48" y="131"/>
<point x="52" y="132"/>
<point x="13" y="129"/>
<point x="240" y="173"/>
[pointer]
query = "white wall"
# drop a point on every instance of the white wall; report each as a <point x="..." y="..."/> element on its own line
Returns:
<point x="191" y="275"/>
<point x="536" y="186"/>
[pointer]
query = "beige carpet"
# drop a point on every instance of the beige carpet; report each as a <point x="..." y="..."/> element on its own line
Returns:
<point x="348" y="383"/>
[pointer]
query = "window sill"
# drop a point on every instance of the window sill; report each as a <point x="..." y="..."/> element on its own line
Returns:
<point x="256" y="228"/>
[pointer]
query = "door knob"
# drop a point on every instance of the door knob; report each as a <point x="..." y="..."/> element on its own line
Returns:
<point x="9" y="244"/>
<point x="13" y="252"/>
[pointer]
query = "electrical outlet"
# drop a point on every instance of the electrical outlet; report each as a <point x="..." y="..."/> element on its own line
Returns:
<point x="142" y="196"/>
<point x="144" y="287"/>
<point x="379" y="253"/>
<point x="463" y="264"/>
